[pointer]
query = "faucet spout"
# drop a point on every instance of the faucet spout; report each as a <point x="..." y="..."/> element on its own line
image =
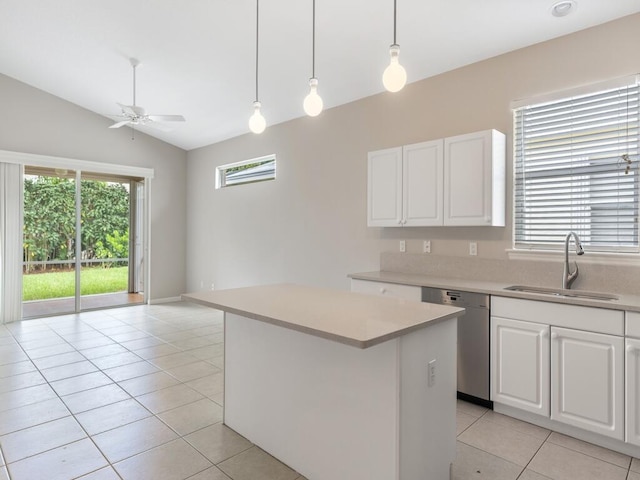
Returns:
<point x="568" y="277"/>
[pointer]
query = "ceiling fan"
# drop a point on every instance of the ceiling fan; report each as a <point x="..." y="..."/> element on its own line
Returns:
<point x="137" y="115"/>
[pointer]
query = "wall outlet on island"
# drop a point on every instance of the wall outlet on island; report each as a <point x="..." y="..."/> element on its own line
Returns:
<point x="431" y="373"/>
<point x="403" y="246"/>
<point x="426" y="246"/>
<point x="473" y="248"/>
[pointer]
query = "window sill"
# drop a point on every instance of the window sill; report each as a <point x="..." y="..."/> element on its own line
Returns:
<point x="595" y="258"/>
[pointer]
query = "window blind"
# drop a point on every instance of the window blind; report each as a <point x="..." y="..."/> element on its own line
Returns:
<point x="571" y="172"/>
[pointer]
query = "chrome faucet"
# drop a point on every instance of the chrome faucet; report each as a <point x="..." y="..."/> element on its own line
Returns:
<point x="568" y="277"/>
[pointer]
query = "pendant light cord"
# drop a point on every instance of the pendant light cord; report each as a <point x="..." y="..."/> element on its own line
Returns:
<point x="313" y="43"/>
<point x="257" y="32"/>
<point x="395" y="14"/>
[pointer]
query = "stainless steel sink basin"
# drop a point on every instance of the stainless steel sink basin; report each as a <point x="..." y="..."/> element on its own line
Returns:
<point x="558" y="292"/>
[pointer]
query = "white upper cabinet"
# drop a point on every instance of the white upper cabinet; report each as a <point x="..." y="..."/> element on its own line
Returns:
<point x="474" y="179"/>
<point x="451" y="181"/>
<point x="422" y="175"/>
<point x="405" y="186"/>
<point x="384" y="188"/>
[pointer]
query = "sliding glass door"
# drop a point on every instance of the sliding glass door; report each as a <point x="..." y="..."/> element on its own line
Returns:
<point x="82" y="241"/>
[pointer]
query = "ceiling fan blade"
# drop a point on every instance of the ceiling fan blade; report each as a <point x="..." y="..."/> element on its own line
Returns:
<point x="120" y="124"/>
<point x="166" y="118"/>
<point x="127" y="109"/>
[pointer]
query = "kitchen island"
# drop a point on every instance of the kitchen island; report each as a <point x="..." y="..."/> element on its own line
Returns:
<point x="340" y="385"/>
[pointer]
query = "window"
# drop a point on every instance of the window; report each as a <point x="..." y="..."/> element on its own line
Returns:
<point x="571" y="170"/>
<point x="247" y="171"/>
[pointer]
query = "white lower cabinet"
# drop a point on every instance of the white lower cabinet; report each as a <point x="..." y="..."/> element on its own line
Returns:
<point x="632" y="373"/>
<point x="566" y="363"/>
<point x="520" y="364"/>
<point x="587" y="381"/>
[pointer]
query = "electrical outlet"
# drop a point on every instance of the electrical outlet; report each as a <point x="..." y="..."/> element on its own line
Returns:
<point x="426" y="246"/>
<point x="403" y="246"/>
<point x="431" y="373"/>
<point x="213" y="286"/>
<point x="473" y="248"/>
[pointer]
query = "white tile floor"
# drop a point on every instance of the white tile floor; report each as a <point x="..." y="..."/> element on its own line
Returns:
<point x="136" y="393"/>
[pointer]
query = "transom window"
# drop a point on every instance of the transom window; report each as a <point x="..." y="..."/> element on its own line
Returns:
<point x="576" y="169"/>
<point x="247" y="171"/>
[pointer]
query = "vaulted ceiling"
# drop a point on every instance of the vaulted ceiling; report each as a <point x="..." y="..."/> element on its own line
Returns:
<point x="198" y="56"/>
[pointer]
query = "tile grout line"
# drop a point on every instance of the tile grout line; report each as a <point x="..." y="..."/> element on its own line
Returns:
<point x="152" y="414"/>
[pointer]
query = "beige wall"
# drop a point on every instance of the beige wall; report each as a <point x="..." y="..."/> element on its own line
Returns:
<point x="309" y="226"/>
<point x="33" y="121"/>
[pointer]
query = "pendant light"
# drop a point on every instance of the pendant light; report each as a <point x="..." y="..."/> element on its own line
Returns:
<point x="395" y="76"/>
<point x="312" y="102"/>
<point x="257" y="123"/>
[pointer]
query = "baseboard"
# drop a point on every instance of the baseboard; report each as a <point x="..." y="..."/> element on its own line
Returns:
<point x="156" y="301"/>
<point x="591" y="437"/>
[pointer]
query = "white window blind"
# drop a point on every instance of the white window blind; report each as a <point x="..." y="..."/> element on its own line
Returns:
<point x="570" y="173"/>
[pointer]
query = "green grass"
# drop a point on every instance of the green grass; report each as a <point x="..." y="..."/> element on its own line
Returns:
<point x="40" y="286"/>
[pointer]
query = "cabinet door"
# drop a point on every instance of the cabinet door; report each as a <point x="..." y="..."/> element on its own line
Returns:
<point x="384" y="189"/>
<point x="587" y="381"/>
<point x="632" y="373"/>
<point x="422" y="172"/>
<point x="520" y="364"/>
<point x="474" y="179"/>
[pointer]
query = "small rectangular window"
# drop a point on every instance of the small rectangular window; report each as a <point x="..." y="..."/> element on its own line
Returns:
<point x="576" y="168"/>
<point x="247" y="171"/>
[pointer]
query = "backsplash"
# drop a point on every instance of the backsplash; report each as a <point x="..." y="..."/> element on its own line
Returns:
<point x="595" y="277"/>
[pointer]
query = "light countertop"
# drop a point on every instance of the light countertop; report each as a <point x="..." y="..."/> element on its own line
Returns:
<point x="351" y="318"/>
<point x="624" y="302"/>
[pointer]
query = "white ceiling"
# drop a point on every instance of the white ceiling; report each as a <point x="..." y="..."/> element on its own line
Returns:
<point x="197" y="56"/>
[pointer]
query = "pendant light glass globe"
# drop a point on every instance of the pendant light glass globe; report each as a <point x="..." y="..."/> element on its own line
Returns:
<point x="395" y="76"/>
<point x="257" y="123"/>
<point x="313" y="103"/>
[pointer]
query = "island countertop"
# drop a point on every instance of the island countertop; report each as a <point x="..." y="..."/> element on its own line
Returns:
<point x="351" y="318"/>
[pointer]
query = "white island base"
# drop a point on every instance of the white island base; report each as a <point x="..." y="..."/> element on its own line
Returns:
<point x="332" y="411"/>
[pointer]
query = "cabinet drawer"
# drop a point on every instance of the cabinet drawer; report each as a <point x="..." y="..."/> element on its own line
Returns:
<point x="408" y="292"/>
<point x="598" y="320"/>
<point x="633" y="324"/>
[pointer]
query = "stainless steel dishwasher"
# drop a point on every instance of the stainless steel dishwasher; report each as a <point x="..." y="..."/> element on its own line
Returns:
<point x="473" y="341"/>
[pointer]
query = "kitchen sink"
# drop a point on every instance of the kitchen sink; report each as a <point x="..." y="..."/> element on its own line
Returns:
<point x="558" y="292"/>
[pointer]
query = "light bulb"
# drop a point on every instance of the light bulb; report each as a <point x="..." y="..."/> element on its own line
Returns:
<point x="257" y="123"/>
<point x="312" y="102"/>
<point x="395" y="76"/>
